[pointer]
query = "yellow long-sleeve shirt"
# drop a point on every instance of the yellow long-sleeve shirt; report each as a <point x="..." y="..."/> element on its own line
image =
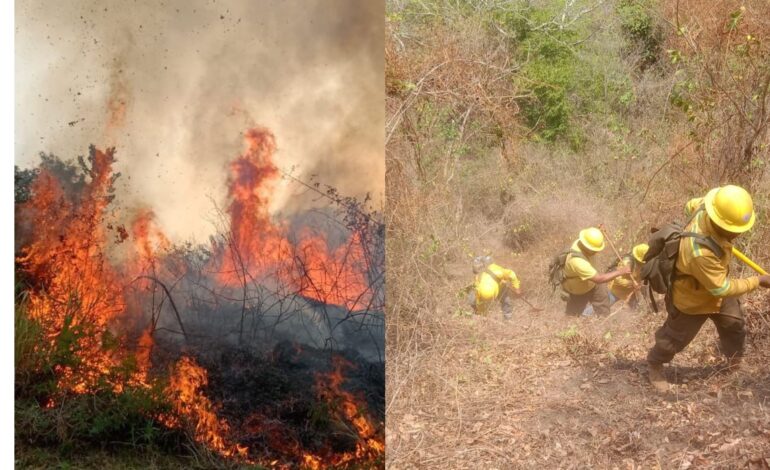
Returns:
<point x="703" y="279"/>
<point x="485" y="282"/>
<point x="621" y="287"/>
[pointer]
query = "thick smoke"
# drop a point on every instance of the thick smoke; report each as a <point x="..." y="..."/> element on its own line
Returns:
<point x="173" y="84"/>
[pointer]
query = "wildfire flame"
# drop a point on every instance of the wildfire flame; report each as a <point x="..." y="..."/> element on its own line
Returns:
<point x="369" y="446"/>
<point x="187" y="382"/>
<point x="259" y="249"/>
<point x="78" y="292"/>
<point x="149" y="239"/>
<point x="346" y="409"/>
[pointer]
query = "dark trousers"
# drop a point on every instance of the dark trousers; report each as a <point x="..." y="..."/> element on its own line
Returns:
<point x="680" y="329"/>
<point x="598" y="296"/>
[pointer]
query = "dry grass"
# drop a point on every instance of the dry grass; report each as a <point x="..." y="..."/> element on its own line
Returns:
<point x="496" y="395"/>
<point x="542" y="391"/>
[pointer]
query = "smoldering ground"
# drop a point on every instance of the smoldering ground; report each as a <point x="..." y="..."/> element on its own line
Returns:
<point x="172" y="85"/>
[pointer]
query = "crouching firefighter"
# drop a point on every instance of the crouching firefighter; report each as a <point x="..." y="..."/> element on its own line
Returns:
<point x="581" y="283"/>
<point x="623" y="288"/>
<point x="493" y="282"/>
<point x="690" y="265"/>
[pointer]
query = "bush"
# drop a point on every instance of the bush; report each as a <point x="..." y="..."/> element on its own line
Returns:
<point x="45" y="415"/>
<point x="643" y="33"/>
<point x="564" y="71"/>
<point x="34" y="375"/>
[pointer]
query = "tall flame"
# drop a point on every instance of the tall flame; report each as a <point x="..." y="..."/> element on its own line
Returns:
<point x="259" y="249"/>
<point x="76" y="293"/>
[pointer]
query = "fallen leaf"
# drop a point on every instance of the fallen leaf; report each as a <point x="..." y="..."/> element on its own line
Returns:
<point x="729" y="445"/>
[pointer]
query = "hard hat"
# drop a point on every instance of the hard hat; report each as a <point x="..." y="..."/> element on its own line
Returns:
<point x="480" y="263"/>
<point x="592" y="238"/>
<point x="730" y="207"/>
<point x="639" y="251"/>
<point x="486" y="291"/>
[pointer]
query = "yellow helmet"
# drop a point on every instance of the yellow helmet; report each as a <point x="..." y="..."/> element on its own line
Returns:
<point x="730" y="207"/>
<point x="592" y="238"/>
<point x="486" y="288"/>
<point x="639" y="251"/>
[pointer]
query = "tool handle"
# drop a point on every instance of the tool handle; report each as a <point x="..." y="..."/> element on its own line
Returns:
<point x="748" y="262"/>
<point x="620" y="258"/>
<point x="530" y="304"/>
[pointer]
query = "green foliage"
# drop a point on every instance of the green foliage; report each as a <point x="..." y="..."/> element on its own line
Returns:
<point x="105" y="416"/>
<point x="320" y="415"/>
<point x="562" y="74"/>
<point x="570" y="332"/>
<point x="641" y="30"/>
<point x="549" y="67"/>
<point x="73" y="420"/>
<point x="34" y="374"/>
<point x="22" y="183"/>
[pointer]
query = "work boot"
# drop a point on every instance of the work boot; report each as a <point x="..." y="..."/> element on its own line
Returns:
<point x="657" y="379"/>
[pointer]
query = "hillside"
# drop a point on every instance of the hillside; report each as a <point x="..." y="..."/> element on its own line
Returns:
<point x="513" y="125"/>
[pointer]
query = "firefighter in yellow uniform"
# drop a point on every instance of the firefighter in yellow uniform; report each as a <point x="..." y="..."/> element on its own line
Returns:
<point x="622" y="288"/>
<point x="702" y="288"/>
<point x="582" y="282"/>
<point x="493" y="282"/>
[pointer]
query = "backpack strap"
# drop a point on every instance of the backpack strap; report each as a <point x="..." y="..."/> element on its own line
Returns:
<point x="701" y="239"/>
<point x="493" y="275"/>
<point x="698" y="210"/>
<point x="708" y="242"/>
<point x="579" y="254"/>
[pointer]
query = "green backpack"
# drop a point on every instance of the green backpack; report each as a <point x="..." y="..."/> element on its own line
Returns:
<point x="556" y="267"/>
<point x="659" y="271"/>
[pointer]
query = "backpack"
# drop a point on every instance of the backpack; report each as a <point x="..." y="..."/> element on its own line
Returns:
<point x="556" y="267"/>
<point x="658" y="272"/>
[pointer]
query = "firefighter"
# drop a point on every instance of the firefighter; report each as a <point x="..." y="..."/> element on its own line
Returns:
<point x="493" y="282"/>
<point x="582" y="283"/>
<point x="622" y="288"/>
<point x="702" y="288"/>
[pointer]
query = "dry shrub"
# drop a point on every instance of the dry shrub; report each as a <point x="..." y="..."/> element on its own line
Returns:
<point x="463" y="178"/>
<point x="723" y="51"/>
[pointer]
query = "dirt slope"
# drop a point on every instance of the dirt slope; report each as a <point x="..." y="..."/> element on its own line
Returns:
<point x="547" y="391"/>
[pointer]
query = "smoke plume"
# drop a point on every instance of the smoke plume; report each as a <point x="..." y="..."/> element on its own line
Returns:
<point x="172" y="85"/>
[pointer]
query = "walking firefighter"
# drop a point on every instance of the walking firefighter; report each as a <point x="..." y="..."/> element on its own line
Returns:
<point x="691" y="265"/>
<point x="574" y="272"/>
<point x="493" y="282"/>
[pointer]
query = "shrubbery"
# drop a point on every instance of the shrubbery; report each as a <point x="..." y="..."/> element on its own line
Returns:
<point x="48" y="416"/>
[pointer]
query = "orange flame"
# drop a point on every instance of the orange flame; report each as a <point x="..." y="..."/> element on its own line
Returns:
<point x="187" y="380"/>
<point x="260" y="249"/>
<point x="148" y="238"/>
<point x="369" y="446"/>
<point x="78" y="293"/>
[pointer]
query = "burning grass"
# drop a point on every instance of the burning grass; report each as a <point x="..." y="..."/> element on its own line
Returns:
<point x="105" y="352"/>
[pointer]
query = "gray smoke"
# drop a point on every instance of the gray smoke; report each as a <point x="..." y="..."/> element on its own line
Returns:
<point x="173" y="84"/>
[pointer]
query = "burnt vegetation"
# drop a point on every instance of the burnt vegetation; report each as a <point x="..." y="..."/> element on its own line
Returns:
<point x="132" y="351"/>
